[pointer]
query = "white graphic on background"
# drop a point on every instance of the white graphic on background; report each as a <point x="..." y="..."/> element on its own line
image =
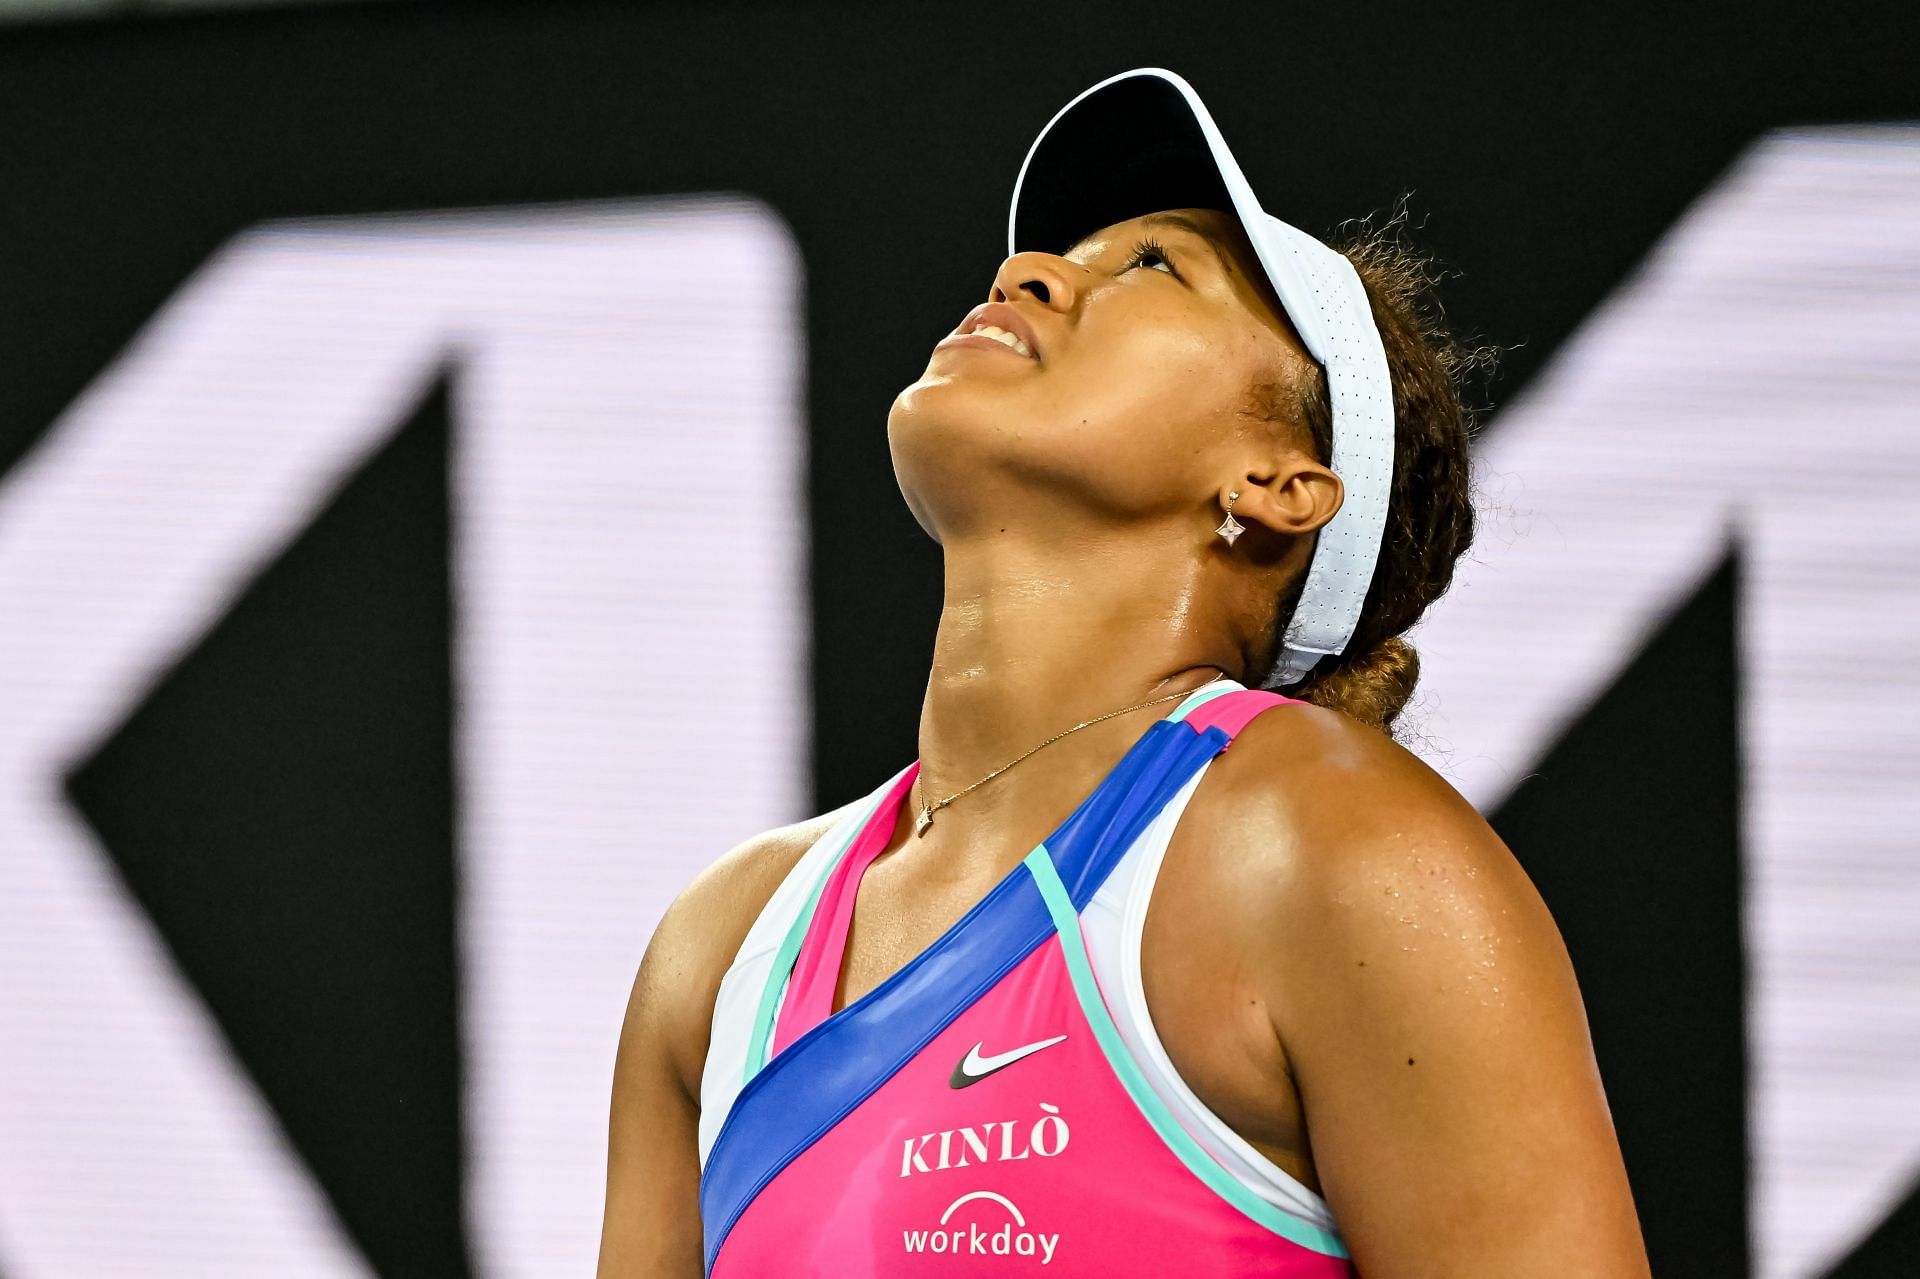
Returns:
<point x="1758" y="382"/>
<point x="630" y="635"/>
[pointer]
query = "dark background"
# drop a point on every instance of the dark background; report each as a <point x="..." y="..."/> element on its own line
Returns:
<point x="1545" y="154"/>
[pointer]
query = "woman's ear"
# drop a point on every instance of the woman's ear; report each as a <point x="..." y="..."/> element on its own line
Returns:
<point x="1294" y="496"/>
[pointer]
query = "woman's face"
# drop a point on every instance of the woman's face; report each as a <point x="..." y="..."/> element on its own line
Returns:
<point x="1132" y="402"/>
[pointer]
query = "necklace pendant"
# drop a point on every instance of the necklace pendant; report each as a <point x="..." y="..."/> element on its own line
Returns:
<point x="922" y="820"/>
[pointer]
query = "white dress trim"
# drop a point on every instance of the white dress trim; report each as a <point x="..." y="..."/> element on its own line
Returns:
<point x="738" y="1000"/>
<point x="1112" y="923"/>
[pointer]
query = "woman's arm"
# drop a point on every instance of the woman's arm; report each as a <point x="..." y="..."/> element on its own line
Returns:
<point x="651" y="1229"/>
<point x="1426" y="1003"/>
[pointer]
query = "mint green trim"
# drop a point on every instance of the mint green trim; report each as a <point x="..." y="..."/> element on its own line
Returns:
<point x="789" y="950"/>
<point x="1200" y="698"/>
<point x="1066" y="922"/>
<point x="783" y="959"/>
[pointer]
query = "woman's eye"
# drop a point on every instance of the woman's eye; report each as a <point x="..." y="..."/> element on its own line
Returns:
<point x="1148" y="250"/>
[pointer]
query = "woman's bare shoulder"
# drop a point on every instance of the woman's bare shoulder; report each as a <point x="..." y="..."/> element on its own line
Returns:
<point x="1413" y="975"/>
<point x="701" y="931"/>
<point x="1309" y="773"/>
<point x="728" y="895"/>
<point x="1321" y="823"/>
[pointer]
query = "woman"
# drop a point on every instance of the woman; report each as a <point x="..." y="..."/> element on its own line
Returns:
<point x="1183" y="458"/>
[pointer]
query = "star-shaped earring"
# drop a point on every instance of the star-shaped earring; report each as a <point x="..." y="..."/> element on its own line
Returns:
<point x="1231" y="528"/>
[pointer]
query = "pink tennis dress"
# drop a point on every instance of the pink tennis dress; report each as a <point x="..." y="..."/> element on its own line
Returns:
<point x="977" y="1113"/>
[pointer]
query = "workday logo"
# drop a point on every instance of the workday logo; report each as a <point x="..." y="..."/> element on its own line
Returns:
<point x="1003" y="1234"/>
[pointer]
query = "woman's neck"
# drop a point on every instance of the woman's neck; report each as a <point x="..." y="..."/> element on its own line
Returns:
<point x="1029" y="646"/>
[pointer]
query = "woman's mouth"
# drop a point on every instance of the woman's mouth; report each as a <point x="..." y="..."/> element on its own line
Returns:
<point x="989" y="335"/>
<point x="1004" y="323"/>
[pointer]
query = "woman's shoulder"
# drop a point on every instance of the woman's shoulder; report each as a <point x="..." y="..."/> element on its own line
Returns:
<point x="729" y="893"/>
<point x="1327" y="823"/>
<point x="1313" y="773"/>
<point x="1412" y="975"/>
<point x="698" y="937"/>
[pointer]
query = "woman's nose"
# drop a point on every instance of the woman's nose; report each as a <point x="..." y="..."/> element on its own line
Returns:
<point x="1045" y="278"/>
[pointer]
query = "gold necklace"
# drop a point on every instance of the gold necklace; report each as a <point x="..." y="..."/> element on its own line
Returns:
<point x="924" y="819"/>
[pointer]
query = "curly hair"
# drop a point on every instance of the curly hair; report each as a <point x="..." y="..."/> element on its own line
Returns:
<point x="1430" y="510"/>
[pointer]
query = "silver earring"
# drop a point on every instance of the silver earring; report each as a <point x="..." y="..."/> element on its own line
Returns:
<point x="1232" y="528"/>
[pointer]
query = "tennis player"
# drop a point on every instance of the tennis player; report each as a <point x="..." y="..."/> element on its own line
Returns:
<point x="1164" y="957"/>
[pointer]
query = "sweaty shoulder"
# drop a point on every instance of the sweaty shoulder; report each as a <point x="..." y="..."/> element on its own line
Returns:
<point x="1331" y="827"/>
<point x="1426" y="1007"/>
<point x="701" y="931"/>
<point x="1310" y="773"/>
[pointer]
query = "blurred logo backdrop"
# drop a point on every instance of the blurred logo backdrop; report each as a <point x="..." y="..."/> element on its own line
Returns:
<point x="445" y="503"/>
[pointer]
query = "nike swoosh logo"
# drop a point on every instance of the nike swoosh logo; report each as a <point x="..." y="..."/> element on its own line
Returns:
<point x="973" y="1067"/>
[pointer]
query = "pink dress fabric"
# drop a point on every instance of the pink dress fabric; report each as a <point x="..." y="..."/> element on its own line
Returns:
<point x="816" y="973"/>
<point x="1046" y="1165"/>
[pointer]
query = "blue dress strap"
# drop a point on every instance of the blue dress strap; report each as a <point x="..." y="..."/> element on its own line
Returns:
<point x="818" y="1079"/>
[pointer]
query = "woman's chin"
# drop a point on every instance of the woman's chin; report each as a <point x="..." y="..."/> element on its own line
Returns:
<point x="941" y="444"/>
<point x="953" y="399"/>
<point x="937" y="407"/>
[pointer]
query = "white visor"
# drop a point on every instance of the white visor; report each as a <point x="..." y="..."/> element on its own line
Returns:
<point x="1142" y="141"/>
